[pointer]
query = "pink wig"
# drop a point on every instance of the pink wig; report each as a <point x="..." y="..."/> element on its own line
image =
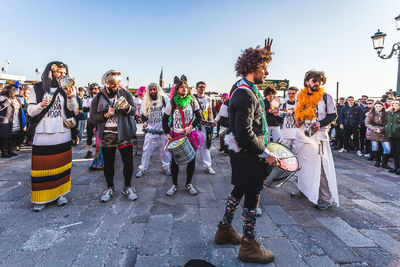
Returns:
<point x="141" y="90"/>
<point x="171" y="93"/>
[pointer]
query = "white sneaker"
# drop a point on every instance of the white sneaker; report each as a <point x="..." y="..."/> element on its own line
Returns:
<point x="107" y="195"/>
<point x="367" y="155"/>
<point x="38" y="207"/>
<point x="359" y="153"/>
<point x="210" y="170"/>
<point x="172" y="190"/>
<point x="139" y="173"/>
<point x="190" y="188"/>
<point x="130" y="192"/>
<point x="342" y="150"/>
<point x="259" y="212"/>
<point x="61" y="201"/>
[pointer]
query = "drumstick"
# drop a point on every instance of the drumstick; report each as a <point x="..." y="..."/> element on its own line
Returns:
<point x="288" y="157"/>
<point x="166" y="145"/>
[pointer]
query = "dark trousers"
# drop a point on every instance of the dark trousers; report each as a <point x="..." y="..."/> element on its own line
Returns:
<point x="250" y="199"/>
<point x="395" y="147"/>
<point x="339" y="137"/>
<point x="109" y="160"/>
<point x="189" y="171"/>
<point x="89" y="132"/>
<point x="348" y="131"/>
<point x="4" y="143"/>
<point x="368" y="146"/>
<point x="363" y="138"/>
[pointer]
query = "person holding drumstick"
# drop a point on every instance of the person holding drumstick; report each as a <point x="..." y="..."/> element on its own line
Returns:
<point x="51" y="108"/>
<point x="112" y="110"/>
<point x="250" y="158"/>
<point x="180" y="117"/>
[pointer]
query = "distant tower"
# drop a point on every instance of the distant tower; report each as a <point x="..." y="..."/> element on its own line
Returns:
<point x="161" y="78"/>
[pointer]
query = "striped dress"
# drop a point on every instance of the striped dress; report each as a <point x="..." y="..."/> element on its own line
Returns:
<point x="51" y="152"/>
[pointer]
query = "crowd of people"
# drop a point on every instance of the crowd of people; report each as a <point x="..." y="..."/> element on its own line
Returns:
<point x="52" y="118"/>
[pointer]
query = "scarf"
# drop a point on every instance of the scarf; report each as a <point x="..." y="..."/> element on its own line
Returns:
<point x="306" y="104"/>
<point x="255" y="90"/>
<point x="183" y="102"/>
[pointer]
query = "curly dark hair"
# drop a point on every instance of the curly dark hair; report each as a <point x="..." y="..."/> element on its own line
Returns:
<point x="251" y="60"/>
<point x="314" y="74"/>
<point x="270" y="90"/>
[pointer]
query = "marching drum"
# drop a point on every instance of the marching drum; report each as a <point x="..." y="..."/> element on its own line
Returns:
<point x="288" y="167"/>
<point x="181" y="150"/>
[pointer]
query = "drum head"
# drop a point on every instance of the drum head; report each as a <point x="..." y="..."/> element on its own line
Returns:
<point x="289" y="160"/>
<point x="177" y="142"/>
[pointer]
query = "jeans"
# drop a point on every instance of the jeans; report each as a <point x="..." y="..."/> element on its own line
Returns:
<point x="385" y="145"/>
<point x="81" y="125"/>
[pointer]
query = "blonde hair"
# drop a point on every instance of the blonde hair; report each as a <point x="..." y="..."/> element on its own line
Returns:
<point x="146" y="106"/>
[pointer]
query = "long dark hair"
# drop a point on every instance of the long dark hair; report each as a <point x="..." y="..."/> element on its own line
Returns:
<point x="47" y="75"/>
<point x="373" y="113"/>
<point x="178" y="82"/>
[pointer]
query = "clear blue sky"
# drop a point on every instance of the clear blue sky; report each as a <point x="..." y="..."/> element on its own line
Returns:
<point x="203" y="39"/>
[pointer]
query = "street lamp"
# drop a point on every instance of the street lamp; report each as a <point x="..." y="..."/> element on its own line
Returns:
<point x="378" y="40"/>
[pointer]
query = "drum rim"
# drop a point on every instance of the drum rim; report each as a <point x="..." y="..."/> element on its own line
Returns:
<point x="176" y="139"/>
<point x="297" y="159"/>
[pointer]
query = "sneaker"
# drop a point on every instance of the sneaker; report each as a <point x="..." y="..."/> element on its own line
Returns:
<point x="61" y="201"/>
<point x="342" y="150"/>
<point x="107" y="194"/>
<point x="259" y="212"/>
<point x="130" y="192"/>
<point x="172" y="190"/>
<point x="89" y="155"/>
<point x="210" y="170"/>
<point x="323" y="205"/>
<point x="167" y="171"/>
<point x="139" y="174"/>
<point x="297" y="194"/>
<point x="367" y="155"/>
<point x="190" y="188"/>
<point x="359" y="153"/>
<point x="38" y="207"/>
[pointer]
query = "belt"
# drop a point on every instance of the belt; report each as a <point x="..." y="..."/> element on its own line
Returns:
<point x="112" y="129"/>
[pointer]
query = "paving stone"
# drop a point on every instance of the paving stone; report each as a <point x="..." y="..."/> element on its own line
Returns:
<point x="110" y="227"/>
<point x="157" y="236"/>
<point x="186" y="213"/>
<point x="384" y="240"/>
<point x="44" y="239"/>
<point x="376" y="220"/>
<point x="186" y="239"/>
<point x="95" y="253"/>
<point x="304" y="219"/>
<point x="9" y="244"/>
<point x="301" y="241"/>
<point x="146" y="261"/>
<point x="333" y="246"/>
<point x="384" y="211"/>
<point x="123" y="257"/>
<point x="285" y="254"/>
<point x="279" y="215"/>
<point x="131" y="234"/>
<point x="63" y="253"/>
<point x="265" y="227"/>
<point x="375" y="256"/>
<point x="346" y="233"/>
<point x="319" y="261"/>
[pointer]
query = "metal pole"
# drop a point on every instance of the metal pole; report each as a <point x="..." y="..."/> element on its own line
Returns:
<point x="337" y="92"/>
<point x="398" y="74"/>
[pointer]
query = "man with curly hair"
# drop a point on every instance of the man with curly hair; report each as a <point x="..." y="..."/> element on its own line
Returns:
<point x="250" y="158"/>
<point x="314" y="111"/>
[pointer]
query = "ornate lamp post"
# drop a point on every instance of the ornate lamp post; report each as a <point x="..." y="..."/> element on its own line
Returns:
<point x="378" y="40"/>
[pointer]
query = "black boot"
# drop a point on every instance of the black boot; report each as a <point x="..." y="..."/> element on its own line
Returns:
<point x="385" y="159"/>
<point x="377" y="158"/>
<point x="4" y="154"/>
<point x="393" y="170"/>
<point x="12" y="153"/>
<point x="371" y="157"/>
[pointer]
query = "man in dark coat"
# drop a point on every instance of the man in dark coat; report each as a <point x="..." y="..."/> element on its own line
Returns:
<point x="249" y="158"/>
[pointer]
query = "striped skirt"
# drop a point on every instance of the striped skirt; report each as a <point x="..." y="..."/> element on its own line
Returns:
<point x="51" y="171"/>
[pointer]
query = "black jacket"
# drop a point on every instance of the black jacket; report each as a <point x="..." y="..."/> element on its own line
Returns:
<point x="272" y="120"/>
<point x="245" y="122"/>
<point x="351" y="115"/>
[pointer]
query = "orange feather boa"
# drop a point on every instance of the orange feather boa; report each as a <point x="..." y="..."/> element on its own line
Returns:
<point x="306" y="104"/>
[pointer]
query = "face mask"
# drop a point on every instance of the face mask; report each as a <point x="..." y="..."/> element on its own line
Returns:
<point x="378" y="107"/>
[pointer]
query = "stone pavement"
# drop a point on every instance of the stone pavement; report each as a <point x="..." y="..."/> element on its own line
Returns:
<point x="157" y="230"/>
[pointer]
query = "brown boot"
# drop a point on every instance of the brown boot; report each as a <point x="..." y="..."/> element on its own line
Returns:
<point x="227" y="235"/>
<point x="250" y="251"/>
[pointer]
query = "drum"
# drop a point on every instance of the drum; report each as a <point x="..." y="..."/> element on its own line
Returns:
<point x="288" y="167"/>
<point x="181" y="150"/>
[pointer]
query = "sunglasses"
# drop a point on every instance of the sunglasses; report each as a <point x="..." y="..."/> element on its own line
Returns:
<point x="316" y="80"/>
<point x="202" y="87"/>
<point x="370" y="103"/>
<point x="291" y="93"/>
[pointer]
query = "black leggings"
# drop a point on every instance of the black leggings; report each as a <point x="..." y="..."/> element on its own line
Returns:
<point x="89" y="133"/>
<point x="189" y="171"/>
<point x="109" y="160"/>
<point x="250" y="199"/>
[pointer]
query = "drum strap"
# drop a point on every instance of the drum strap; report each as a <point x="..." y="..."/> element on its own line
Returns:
<point x="183" y="117"/>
